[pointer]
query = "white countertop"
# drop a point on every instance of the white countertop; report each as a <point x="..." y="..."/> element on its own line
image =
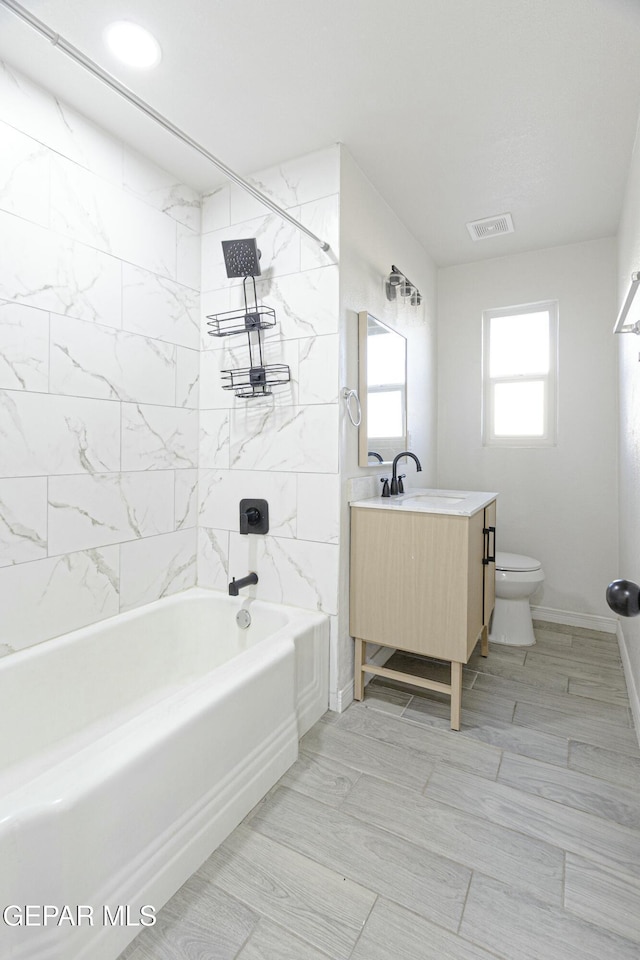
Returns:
<point x="457" y="503"/>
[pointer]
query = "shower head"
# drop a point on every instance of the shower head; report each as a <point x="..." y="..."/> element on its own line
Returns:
<point x="241" y="258"/>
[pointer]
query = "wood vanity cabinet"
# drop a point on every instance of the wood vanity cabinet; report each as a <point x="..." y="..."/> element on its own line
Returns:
<point x="424" y="583"/>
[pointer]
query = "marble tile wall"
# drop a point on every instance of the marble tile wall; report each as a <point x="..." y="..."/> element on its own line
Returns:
<point x="99" y="373"/>
<point x="283" y="448"/>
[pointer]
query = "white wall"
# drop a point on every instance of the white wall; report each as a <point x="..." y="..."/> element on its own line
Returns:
<point x="628" y="347"/>
<point x="99" y="280"/>
<point x="371" y="239"/>
<point x="558" y="504"/>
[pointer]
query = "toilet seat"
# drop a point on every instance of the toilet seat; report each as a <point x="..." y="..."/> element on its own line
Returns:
<point x="516" y="562"/>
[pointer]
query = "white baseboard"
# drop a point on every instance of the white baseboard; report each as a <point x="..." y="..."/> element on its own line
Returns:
<point x="587" y="620"/>
<point x="340" y="699"/>
<point x="632" y="689"/>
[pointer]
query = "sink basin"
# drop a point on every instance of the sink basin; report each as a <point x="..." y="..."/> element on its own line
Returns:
<point x="433" y="499"/>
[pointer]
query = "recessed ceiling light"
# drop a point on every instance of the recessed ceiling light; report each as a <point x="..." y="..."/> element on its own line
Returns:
<point x="132" y="44"/>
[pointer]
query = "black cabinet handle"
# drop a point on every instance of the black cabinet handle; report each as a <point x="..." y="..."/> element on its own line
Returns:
<point x="489" y="557"/>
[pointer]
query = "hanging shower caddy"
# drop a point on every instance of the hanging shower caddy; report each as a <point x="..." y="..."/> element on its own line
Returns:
<point x="241" y="260"/>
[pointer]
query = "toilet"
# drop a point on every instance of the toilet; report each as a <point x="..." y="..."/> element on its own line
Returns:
<point x="517" y="577"/>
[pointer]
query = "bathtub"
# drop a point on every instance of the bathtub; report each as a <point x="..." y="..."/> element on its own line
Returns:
<point x="130" y="749"/>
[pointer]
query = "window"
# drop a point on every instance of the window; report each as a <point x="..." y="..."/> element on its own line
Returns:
<point x="519" y="375"/>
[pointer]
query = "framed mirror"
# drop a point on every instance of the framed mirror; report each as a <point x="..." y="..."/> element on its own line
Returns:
<point x="383" y="391"/>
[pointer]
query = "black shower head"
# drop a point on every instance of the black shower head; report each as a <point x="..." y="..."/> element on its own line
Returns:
<point x="241" y="258"/>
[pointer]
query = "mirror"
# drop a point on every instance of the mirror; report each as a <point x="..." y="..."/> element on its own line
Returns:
<point x="383" y="390"/>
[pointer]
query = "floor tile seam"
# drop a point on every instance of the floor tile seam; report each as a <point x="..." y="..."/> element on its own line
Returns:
<point x="580" y="773"/>
<point x="586" y="737"/>
<point x="632" y="939"/>
<point x="633" y="831"/>
<point x="612" y="674"/>
<point x="464" y="904"/>
<point x="572" y="708"/>
<point x="247" y="939"/>
<point x="410" y="749"/>
<point x="628" y="878"/>
<point x="564" y="844"/>
<point x="570" y="807"/>
<point x="387" y="831"/>
<point x="468" y="714"/>
<point x="364" y="926"/>
<point x="609" y="701"/>
<point x="574" y="714"/>
<point x="529" y="682"/>
<point x="280" y="921"/>
<point x="439" y="734"/>
<point x="520" y="832"/>
<point x="613" y="783"/>
<point x="427" y="695"/>
<point x="434" y="923"/>
<point x="527" y="830"/>
<point x="361" y="773"/>
<point x="429" y="849"/>
<point x="481" y="722"/>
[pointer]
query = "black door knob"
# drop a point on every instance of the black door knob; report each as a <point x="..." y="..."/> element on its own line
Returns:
<point x="623" y="596"/>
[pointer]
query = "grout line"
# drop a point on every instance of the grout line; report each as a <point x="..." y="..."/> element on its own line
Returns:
<point x="365" y="923"/>
<point x="464" y="905"/>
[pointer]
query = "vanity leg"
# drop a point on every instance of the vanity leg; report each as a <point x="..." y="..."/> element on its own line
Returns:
<point x="484" y="642"/>
<point x="456" y="694"/>
<point x="358" y="679"/>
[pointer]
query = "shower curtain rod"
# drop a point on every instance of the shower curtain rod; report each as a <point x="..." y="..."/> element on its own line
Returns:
<point x="142" y="105"/>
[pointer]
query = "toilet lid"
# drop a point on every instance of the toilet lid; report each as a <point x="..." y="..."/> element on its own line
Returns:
<point x="515" y="561"/>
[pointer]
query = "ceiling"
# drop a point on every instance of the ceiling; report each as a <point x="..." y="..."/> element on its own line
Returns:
<point x="455" y="109"/>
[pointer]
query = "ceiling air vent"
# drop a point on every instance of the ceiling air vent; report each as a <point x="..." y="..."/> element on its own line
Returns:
<point x="490" y="227"/>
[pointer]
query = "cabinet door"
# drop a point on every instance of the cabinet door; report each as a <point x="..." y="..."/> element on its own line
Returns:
<point x="409" y="581"/>
<point x="489" y="562"/>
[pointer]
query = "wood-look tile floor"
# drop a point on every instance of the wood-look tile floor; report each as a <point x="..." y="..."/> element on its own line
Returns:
<point x="394" y="838"/>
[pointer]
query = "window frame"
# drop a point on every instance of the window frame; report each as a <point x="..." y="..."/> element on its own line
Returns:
<point x="549" y="380"/>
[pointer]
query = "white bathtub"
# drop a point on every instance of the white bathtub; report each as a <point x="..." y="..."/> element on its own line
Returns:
<point x="130" y="749"/>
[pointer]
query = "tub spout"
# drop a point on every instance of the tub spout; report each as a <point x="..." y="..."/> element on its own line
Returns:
<point x="236" y="585"/>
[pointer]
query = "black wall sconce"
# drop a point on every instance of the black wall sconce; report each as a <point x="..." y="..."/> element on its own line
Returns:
<point x="397" y="284"/>
<point x="623" y="596"/>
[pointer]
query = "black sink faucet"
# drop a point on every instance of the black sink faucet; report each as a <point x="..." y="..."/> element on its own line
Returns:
<point x="394" y="478"/>
<point x="236" y="585"/>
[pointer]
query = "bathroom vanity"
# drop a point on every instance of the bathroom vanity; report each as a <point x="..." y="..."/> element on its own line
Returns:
<point x="423" y="581"/>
